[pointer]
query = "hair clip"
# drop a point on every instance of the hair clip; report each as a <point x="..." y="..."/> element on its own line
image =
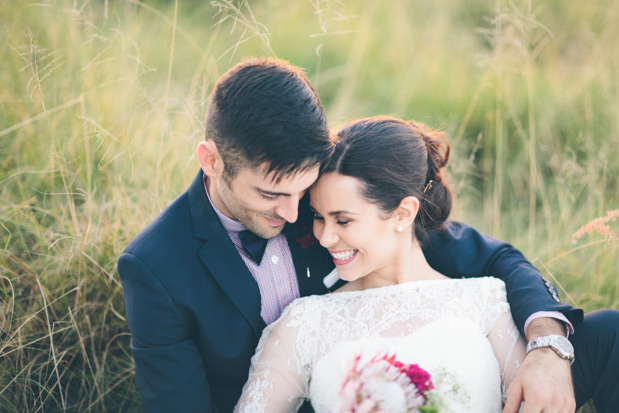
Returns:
<point x="428" y="186"/>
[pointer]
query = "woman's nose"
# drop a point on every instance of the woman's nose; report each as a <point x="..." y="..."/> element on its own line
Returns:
<point x="327" y="236"/>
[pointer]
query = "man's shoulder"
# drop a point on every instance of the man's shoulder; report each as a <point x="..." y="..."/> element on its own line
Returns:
<point x="171" y="228"/>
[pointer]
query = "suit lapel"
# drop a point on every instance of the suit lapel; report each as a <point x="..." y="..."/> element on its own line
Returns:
<point x="221" y="258"/>
<point x="228" y="269"/>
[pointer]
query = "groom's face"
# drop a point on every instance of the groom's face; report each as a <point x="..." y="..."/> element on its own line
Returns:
<point x="261" y="204"/>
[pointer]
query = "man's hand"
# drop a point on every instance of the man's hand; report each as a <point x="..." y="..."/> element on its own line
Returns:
<point x="544" y="380"/>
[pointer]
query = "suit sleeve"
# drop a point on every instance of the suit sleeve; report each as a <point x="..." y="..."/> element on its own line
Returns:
<point x="169" y="368"/>
<point x="461" y="251"/>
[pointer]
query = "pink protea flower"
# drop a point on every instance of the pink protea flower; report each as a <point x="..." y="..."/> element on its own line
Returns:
<point x="383" y="384"/>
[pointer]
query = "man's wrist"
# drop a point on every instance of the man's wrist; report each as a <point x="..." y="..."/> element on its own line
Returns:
<point x="549" y="314"/>
<point x="545" y="327"/>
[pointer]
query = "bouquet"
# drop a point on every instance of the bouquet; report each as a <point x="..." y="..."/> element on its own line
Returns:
<point x="384" y="384"/>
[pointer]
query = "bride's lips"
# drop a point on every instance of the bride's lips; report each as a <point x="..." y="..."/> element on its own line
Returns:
<point x="343" y="257"/>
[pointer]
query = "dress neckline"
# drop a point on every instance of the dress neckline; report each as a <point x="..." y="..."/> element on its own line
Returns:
<point x="404" y="286"/>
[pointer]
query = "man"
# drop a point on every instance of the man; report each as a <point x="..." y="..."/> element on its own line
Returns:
<point x="201" y="282"/>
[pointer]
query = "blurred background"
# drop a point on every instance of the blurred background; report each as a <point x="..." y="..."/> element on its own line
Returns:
<point x="102" y="105"/>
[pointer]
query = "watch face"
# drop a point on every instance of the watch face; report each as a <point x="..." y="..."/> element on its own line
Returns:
<point x="564" y="345"/>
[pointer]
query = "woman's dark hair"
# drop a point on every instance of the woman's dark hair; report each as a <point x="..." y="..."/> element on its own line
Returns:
<point x="265" y="112"/>
<point x="394" y="159"/>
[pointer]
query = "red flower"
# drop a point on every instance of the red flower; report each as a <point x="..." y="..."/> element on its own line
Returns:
<point x="419" y="377"/>
<point x="307" y="238"/>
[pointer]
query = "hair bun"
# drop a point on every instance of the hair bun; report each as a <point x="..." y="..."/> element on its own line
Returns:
<point x="436" y="201"/>
<point x="438" y="152"/>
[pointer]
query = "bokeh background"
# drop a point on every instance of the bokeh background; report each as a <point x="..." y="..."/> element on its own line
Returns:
<point x="102" y="105"/>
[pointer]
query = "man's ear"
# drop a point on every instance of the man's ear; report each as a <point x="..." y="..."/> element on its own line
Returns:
<point x="406" y="212"/>
<point x="209" y="158"/>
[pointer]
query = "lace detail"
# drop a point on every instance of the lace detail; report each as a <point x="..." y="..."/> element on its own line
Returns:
<point x="462" y="326"/>
<point x="257" y="390"/>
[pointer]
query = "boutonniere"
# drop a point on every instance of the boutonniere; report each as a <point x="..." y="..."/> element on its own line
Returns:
<point x="307" y="238"/>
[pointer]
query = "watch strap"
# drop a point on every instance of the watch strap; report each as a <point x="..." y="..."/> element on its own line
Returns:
<point x="552" y="342"/>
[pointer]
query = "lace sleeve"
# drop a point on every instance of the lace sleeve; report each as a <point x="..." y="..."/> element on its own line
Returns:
<point x="278" y="378"/>
<point x="508" y="345"/>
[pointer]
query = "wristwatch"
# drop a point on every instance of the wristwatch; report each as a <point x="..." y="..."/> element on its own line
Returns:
<point x="559" y="344"/>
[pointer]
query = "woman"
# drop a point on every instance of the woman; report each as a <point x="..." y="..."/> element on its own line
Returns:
<point x="382" y="190"/>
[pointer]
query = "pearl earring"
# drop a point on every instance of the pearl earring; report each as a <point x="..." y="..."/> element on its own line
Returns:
<point x="399" y="228"/>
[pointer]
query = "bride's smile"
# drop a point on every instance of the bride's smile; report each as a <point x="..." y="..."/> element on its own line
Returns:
<point x="343" y="257"/>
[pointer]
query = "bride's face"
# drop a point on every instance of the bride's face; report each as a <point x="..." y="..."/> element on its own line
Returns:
<point x="359" y="237"/>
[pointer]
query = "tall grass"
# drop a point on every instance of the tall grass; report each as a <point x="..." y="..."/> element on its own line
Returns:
<point x="102" y="105"/>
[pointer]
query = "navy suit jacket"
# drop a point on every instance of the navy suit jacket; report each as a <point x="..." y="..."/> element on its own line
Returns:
<point x="194" y="308"/>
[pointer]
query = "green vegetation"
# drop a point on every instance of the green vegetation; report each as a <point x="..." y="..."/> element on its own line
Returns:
<point x="102" y="104"/>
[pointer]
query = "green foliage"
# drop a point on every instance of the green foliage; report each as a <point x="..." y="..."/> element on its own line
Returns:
<point x="103" y="104"/>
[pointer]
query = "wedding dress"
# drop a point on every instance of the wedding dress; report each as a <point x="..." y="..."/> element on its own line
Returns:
<point x="459" y="330"/>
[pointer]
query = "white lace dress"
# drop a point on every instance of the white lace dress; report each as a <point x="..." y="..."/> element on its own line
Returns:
<point x="462" y="327"/>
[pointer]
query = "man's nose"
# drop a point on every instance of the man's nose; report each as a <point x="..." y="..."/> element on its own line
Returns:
<point x="288" y="208"/>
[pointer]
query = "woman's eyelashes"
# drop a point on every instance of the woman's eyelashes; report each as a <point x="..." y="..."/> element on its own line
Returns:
<point x="339" y="221"/>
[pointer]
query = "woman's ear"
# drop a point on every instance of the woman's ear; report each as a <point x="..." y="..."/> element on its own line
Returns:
<point x="405" y="213"/>
<point x="209" y="159"/>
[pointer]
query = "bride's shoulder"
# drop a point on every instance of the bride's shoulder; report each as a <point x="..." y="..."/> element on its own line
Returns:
<point x="485" y="288"/>
<point x="305" y="307"/>
<point x="317" y="306"/>
<point x="484" y="282"/>
<point x="491" y="295"/>
<point x="493" y="284"/>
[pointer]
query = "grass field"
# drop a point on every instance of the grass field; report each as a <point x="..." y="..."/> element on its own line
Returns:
<point x="102" y="104"/>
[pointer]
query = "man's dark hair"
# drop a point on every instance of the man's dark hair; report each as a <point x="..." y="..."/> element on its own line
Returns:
<point x="265" y="112"/>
